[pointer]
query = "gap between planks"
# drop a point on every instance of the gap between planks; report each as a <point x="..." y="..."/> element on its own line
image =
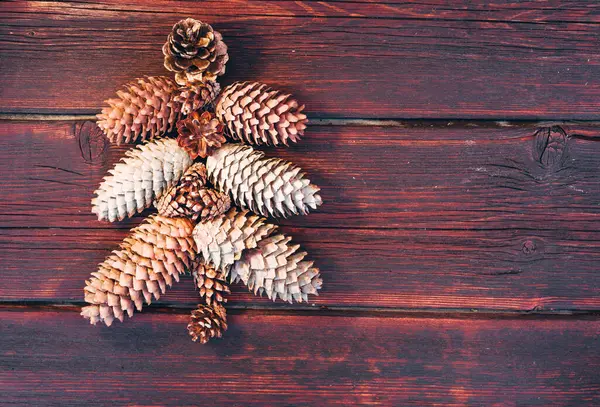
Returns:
<point x="325" y="121"/>
<point x="357" y="311"/>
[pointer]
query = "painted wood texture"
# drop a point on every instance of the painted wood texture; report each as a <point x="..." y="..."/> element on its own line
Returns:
<point x="496" y="218"/>
<point x="438" y="234"/>
<point x="351" y="361"/>
<point x="434" y="59"/>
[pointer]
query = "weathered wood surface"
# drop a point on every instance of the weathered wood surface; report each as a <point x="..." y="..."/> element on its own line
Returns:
<point x="276" y="360"/>
<point x="432" y="232"/>
<point x="493" y="218"/>
<point x="434" y="59"/>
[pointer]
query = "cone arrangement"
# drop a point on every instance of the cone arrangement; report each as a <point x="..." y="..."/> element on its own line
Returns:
<point x="193" y="181"/>
<point x="150" y="107"/>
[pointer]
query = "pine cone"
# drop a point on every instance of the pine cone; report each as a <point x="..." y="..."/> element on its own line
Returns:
<point x="276" y="268"/>
<point x="211" y="284"/>
<point x="196" y="96"/>
<point x="195" y="52"/>
<point x="200" y="134"/>
<point x="142" y="176"/>
<point x="191" y="199"/>
<point x="256" y="114"/>
<point x="266" y="186"/>
<point x="147" y="262"/>
<point x="150" y="107"/>
<point x="207" y="322"/>
<point x="223" y="238"/>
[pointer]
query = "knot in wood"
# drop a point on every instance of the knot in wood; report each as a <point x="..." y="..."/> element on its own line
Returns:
<point x="529" y="247"/>
<point x="550" y="147"/>
<point x="92" y="142"/>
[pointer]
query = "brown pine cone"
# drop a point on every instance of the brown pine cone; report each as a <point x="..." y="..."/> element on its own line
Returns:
<point x="195" y="96"/>
<point x="207" y="322"/>
<point x="150" y="107"/>
<point x="200" y="134"/>
<point x="256" y="114"/>
<point x="148" y="260"/>
<point x="195" y="52"/>
<point x="211" y="284"/>
<point x="191" y="199"/>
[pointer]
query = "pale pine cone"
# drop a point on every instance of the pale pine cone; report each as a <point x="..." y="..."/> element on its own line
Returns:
<point x="222" y="239"/>
<point x="276" y="268"/>
<point x="270" y="187"/>
<point x="140" y="178"/>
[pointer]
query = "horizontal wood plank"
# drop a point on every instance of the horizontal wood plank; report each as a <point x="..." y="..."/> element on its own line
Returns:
<point x="497" y="270"/>
<point x="516" y="60"/>
<point x="444" y="176"/>
<point x="55" y="358"/>
<point x="451" y="216"/>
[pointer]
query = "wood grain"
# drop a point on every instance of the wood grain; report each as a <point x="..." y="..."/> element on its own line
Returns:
<point x="443" y="216"/>
<point x="55" y="358"/>
<point x="445" y="176"/>
<point x="520" y="60"/>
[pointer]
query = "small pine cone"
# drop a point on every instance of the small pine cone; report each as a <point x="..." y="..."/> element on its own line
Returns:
<point x="191" y="199"/>
<point x="147" y="262"/>
<point x="142" y="176"/>
<point x="256" y="114"/>
<point x="276" y="268"/>
<point x="150" y="107"/>
<point x="195" y="52"/>
<point x="207" y="322"/>
<point x="222" y="239"/>
<point x="200" y="134"/>
<point x="211" y="284"/>
<point x="196" y="96"/>
<point x="266" y="186"/>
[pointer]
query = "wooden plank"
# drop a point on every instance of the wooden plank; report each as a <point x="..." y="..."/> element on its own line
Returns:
<point x="343" y="59"/>
<point x="484" y="270"/>
<point x="451" y="216"/>
<point x="55" y="358"/>
<point x="446" y="176"/>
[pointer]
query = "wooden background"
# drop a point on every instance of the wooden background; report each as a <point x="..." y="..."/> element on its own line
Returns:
<point x="457" y="149"/>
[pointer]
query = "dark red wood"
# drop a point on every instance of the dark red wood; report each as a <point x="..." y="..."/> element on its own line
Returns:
<point x="53" y="358"/>
<point x="447" y="176"/>
<point x="422" y="217"/>
<point x="343" y="59"/>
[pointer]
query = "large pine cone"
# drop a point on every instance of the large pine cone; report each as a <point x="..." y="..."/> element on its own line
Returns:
<point x="150" y="107"/>
<point x="211" y="283"/>
<point x="195" y="52"/>
<point x="146" y="263"/>
<point x="266" y="186"/>
<point x="200" y="134"/>
<point x="256" y="114"/>
<point x="191" y="199"/>
<point x="207" y="322"/>
<point x="276" y="268"/>
<point x="140" y="178"/>
<point x="222" y="239"/>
